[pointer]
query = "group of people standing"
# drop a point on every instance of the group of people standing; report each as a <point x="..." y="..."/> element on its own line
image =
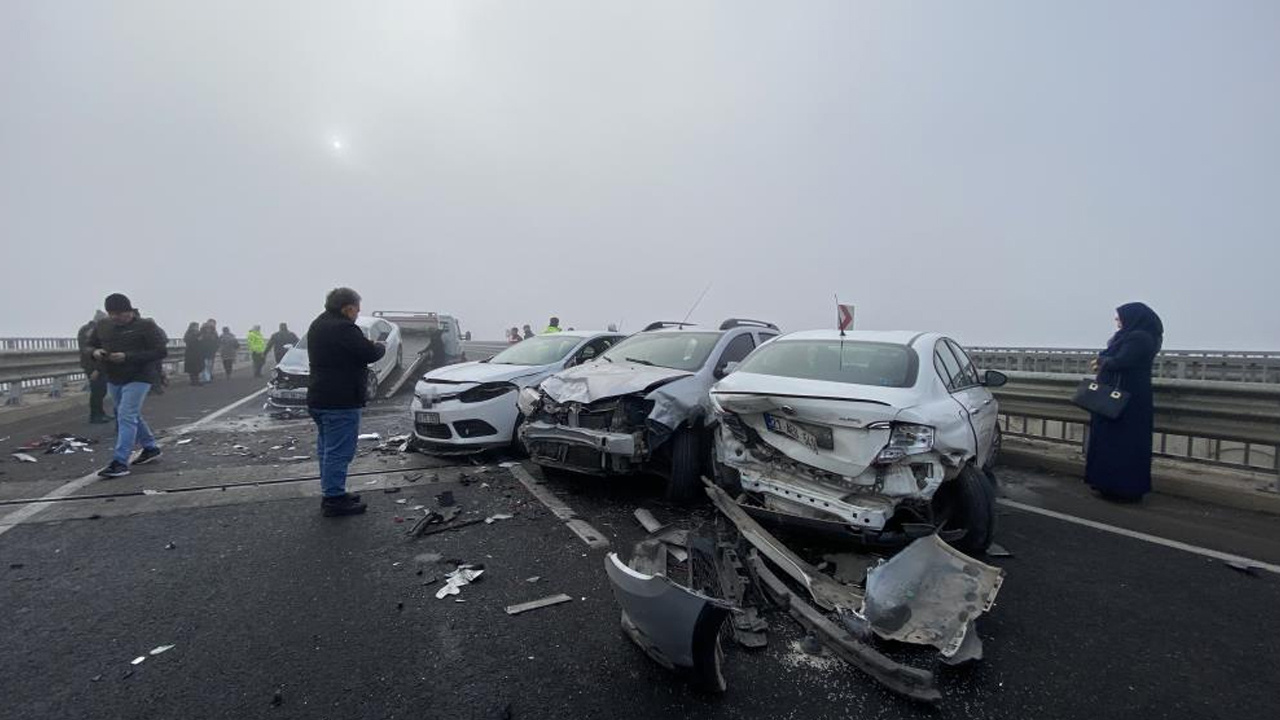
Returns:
<point x="204" y="346"/>
<point x="515" y="335"/>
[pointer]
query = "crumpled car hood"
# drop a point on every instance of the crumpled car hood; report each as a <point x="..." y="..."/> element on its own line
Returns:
<point x="482" y="372"/>
<point x="602" y="379"/>
<point x="295" y="362"/>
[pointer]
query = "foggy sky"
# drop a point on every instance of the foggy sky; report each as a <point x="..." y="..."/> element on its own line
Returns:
<point x="1007" y="172"/>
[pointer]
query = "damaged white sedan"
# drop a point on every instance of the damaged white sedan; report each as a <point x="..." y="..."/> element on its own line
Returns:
<point x="885" y="435"/>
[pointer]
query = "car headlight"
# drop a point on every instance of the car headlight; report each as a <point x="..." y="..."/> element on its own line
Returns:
<point x="906" y="439"/>
<point x="485" y="391"/>
<point x="528" y="401"/>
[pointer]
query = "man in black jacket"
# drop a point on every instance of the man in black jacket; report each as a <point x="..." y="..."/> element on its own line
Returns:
<point x="281" y="340"/>
<point x="339" y="354"/>
<point x="128" y="349"/>
<point x="97" y="379"/>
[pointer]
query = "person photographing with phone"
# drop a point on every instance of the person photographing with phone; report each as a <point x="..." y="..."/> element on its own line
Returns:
<point x="128" y="349"/>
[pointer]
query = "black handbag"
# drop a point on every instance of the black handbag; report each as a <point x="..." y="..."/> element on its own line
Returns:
<point x="1100" y="398"/>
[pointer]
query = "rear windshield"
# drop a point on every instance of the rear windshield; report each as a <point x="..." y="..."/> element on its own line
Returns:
<point x="856" y="363"/>
<point x="676" y="350"/>
<point x="538" y="350"/>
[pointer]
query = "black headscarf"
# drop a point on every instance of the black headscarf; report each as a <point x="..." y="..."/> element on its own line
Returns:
<point x="1137" y="317"/>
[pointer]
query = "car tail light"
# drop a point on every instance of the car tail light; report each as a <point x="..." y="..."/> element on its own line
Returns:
<point x="906" y="439"/>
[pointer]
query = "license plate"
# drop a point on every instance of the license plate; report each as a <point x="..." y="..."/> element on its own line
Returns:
<point x="429" y="418"/>
<point x="782" y="426"/>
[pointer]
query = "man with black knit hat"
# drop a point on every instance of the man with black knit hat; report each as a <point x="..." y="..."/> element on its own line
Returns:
<point x="128" y="349"/>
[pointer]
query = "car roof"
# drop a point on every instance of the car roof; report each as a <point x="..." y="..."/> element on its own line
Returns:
<point x="583" y="333"/>
<point x="893" y="337"/>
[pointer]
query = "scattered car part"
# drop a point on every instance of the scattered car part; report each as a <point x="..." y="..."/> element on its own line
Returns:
<point x="676" y="627"/>
<point x="749" y="629"/>
<point x="537" y="604"/>
<point x="675" y="539"/>
<point x="455" y="580"/>
<point x="911" y="682"/>
<point x="23" y="457"/>
<point x="928" y="594"/>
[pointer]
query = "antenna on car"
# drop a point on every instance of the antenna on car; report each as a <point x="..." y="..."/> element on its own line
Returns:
<point x="839" y="324"/>
<point x="696" y="303"/>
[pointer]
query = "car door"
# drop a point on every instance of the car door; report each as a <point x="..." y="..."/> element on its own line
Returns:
<point x="976" y="400"/>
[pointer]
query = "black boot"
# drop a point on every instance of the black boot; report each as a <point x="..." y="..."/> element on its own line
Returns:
<point x="340" y="505"/>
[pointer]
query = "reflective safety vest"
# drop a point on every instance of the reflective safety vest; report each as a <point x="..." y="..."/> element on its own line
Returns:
<point x="256" y="342"/>
<point x="551" y="329"/>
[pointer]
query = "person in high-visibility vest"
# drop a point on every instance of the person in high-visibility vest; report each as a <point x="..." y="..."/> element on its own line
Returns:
<point x="257" y="349"/>
<point x="553" y="326"/>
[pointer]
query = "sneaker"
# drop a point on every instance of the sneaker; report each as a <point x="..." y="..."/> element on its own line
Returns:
<point x="147" y="455"/>
<point x="100" y="419"/>
<point x="114" y="470"/>
<point x="339" y="505"/>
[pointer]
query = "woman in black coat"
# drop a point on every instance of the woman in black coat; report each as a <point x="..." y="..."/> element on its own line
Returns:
<point x="1118" y="459"/>
<point x="192" y="356"/>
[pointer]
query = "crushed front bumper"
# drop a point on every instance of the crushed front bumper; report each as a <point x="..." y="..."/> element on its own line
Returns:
<point x="582" y="449"/>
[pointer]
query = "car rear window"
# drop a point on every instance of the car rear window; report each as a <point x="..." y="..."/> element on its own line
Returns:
<point x="856" y="363"/>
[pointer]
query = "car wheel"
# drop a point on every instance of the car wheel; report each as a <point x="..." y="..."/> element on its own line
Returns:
<point x="685" y="481"/>
<point x="967" y="503"/>
<point x="371" y="385"/>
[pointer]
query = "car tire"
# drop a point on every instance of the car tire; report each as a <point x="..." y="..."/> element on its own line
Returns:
<point x="969" y="502"/>
<point x="685" y="481"/>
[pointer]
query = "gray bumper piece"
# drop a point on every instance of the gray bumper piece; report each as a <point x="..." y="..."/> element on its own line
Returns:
<point x="930" y="594"/>
<point x="607" y="442"/>
<point x="678" y="628"/>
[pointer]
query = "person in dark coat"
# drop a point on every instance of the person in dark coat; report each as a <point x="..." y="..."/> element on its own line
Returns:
<point x="192" y="357"/>
<point x="228" y="346"/>
<point x="281" y="340"/>
<point x="209" y="344"/>
<point x="129" y="350"/>
<point x="97" y="380"/>
<point x="1118" y="457"/>
<point x="339" y="355"/>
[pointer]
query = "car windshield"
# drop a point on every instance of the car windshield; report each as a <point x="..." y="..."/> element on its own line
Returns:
<point x="676" y="350"/>
<point x="856" y="363"/>
<point x="539" y="350"/>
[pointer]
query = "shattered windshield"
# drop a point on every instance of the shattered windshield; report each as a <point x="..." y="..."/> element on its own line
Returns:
<point x="540" y="350"/>
<point x="842" y="361"/>
<point x="675" y="350"/>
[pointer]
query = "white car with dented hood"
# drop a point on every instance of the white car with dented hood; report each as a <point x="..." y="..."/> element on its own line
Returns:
<point x="888" y="435"/>
<point x="471" y="407"/>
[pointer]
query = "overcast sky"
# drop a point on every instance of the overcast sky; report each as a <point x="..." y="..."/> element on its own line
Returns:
<point x="1007" y="172"/>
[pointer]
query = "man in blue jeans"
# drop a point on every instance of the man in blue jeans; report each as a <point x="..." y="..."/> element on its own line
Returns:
<point x="339" y="355"/>
<point x="128" y="348"/>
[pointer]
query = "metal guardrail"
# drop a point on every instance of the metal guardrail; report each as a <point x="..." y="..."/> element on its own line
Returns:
<point x="1212" y="365"/>
<point x="1234" y="425"/>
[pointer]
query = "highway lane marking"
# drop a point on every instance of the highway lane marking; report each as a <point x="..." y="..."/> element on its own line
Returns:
<point x="17" y="517"/>
<point x="581" y="528"/>
<point x="1134" y="534"/>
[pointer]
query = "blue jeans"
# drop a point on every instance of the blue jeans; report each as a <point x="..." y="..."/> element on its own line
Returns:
<point x="130" y="427"/>
<point x="336" y="432"/>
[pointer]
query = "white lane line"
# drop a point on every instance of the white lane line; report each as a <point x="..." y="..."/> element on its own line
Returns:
<point x="21" y="515"/>
<point x="1154" y="539"/>
<point x="581" y="528"/>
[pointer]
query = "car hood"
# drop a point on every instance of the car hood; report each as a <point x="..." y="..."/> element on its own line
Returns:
<point x="295" y="362"/>
<point x="600" y="379"/>
<point x="481" y="372"/>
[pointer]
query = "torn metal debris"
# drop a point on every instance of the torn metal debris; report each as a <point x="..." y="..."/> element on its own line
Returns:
<point x="538" y="604"/>
<point x="455" y="580"/>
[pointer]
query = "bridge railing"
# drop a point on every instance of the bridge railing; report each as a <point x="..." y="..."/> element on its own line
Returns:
<point x="1213" y="365"/>
<point x="1234" y="425"/>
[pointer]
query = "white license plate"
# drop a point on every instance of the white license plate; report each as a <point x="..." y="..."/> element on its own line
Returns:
<point x="782" y="426"/>
<point x="291" y="394"/>
<point x="429" y="418"/>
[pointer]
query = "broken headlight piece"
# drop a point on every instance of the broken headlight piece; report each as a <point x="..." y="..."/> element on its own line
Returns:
<point x="528" y="401"/>
<point x="905" y="439"/>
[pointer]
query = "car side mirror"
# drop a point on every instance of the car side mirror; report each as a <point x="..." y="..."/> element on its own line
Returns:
<point x="726" y="368"/>
<point x="994" y="379"/>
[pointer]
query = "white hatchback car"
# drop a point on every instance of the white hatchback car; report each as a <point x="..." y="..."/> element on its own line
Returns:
<point x="885" y="434"/>
<point x="472" y="406"/>
<point x="287" y="388"/>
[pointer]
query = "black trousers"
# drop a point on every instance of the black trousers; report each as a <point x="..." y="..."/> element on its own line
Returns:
<point x="97" y="393"/>
<point x="259" y="359"/>
<point x="228" y="363"/>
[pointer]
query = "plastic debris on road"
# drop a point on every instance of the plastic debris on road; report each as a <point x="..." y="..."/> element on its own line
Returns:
<point x="538" y="604"/>
<point x="454" y="581"/>
<point x="185" y="441"/>
<point x="138" y="660"/>
<point x="369" y="436"/>
<point x="161" y="649"/>
<point x="295" y="458"/>
<point x="495" y="518"/>
<point x="152" y="492"/>
<point x="23" y="457"/>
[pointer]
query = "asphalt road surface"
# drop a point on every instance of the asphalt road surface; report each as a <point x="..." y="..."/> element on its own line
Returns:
<point x="219" y="550"/>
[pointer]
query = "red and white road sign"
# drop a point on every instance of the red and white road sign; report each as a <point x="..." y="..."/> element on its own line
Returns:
<point x="844" y="316"/>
